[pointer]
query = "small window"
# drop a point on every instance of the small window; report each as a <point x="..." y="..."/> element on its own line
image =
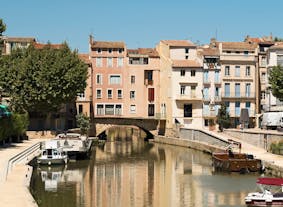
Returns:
<point x="193" y="73"/>
<point x="98" y="79"/>
<point x="119" y="93"/>
<point x="109" y="93"/>
<point x="248" y="71"/>
<point x="80" y="108"/>
<point x="133" y="79"/>
<point x="98" y="93"/>
<point x="133" y="108"/>
<point x="183" y="72"/>
<point x="120" y="50"/>
<point x="99" y="50"/>
<point x="187" y="50"/>
<point x="132" y="94"/>
<point x="110" y="50"/>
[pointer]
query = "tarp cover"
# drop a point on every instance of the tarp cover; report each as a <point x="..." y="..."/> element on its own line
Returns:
<point x="270" y="181"/>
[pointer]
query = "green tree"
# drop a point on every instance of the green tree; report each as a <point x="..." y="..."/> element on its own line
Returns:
<point x="41" y="80"/>
<point x="83" y="123"/>
<point x="276" y="81"/>
<point x="2" y="29"/>
<point x="223" y="117"/>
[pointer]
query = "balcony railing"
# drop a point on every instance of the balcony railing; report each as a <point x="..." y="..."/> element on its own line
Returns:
<point x="188" y="97"/>
<point x="239" y="95"/>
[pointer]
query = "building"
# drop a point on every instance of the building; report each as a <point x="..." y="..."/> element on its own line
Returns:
<point x="239" y="68"/>
<point x="141" y="92"/>
<point x="181" y="76"/>
<point x="11" y="43"/>
<point x="275" y="58"/>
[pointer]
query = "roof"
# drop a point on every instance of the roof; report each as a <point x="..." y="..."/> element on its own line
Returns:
<point x="270" y="181"/>
<point x="178" y="43"/>
<point x="85" y="58"/>
<point x="238" y="46"/>
<point x="210" y="52"/>
<point x="19" y="39"/>
<point x="102" y="44"/>
<point x="186" y="64"/>
<point x="150" y="52"/>
<point x="277" y="46"/>
<point x="42" y="45"/>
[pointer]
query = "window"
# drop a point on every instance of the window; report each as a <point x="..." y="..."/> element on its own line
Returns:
<point x="217" y="76"/>
<point x="188" y="110"/>
<point x="150" y="109"/>
<point x="98" y="62"/>
<point x="186" y="50"/>
<point x="110" y="62"/>
<point x="151" y="94"/>
<point x="248" y="106"/>
<point x="120" y="62"/>
<point x="193" y="73"/>
<point x="109" y="109"/>
<point x="109" y="93"/>
<point x="119" y="94"/>
<point x="99" y="109"/>
<point x="132" y="94"/>
<point x="98" y="79"/>
<point x="237" y="90"/>
<point x="205" y="76"/>
<point x="120" y="50"/>
<point x="148" y="77"/>
<point x="133" y="109"/>
<point x="80" y="108"/>
<point x="263" y="77"/>
<point x="99" y="50"/>
<point x="205" y="109"/>
<point x="98" y="93"/>
<point x="227" y="104"/>
<point x="246" y="52"/>
<point x="248" y="89"/>
<point x="217" y="93"/>
<point x="263" y="95"/>
<point x="227" y="90"/>
<point x="138" y="61"/>
<point x="193" y="91"/>
<point x="81" y="96"/>
<point x="237" y="71"/>
<point x="263" y="61"/>
<point x="280" y="60"/>
<point x="248" y="70"/>
<point x="237" y="108"/>
<point x="183" y="72"/>
<point x="183" y="90"/>
<point x="133" y="79"/>
<point x="115" y="79"/>
<point x="118" y="109"/>
<point x="110" y="50"/>
<point x="205" y="93"/>
<point x="227" y="70"/>
<point x="186" y="57"/>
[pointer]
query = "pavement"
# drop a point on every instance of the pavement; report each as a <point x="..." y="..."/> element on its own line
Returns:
<point x="14" y="186"/>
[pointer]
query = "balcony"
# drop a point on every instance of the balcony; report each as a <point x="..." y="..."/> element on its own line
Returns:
<point x="206" y="81"/>
<point x="237" y="57"/>
<point x="188" y="97"/>
<point x="209" y="113"/>
<point x="238" y="96"/>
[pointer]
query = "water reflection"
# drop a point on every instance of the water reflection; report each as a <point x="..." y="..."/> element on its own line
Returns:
<point x="138" y="173"/>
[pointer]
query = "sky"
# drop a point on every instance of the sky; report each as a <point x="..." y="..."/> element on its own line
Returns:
<point x="141" y="23"/>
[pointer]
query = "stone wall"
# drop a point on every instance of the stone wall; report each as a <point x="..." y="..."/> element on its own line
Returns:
<point x="261" y="139"/>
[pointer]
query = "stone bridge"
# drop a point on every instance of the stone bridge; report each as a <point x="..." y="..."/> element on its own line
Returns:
<point x="151" y="126"/>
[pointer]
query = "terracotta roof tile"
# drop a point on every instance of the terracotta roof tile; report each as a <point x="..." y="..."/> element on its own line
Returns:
<point x="186" y="64"/>
<point x="102" y="44"/>
<point x="276" y="46"/>
<point x="41" y="45"/>
<point x="210" y="52"/>
<point x="179" y="43"/>
<point x="150" y="52"/>
<point x="85" y="58"/>
<point x="238" y="46"/>
<point x="19" y="39"/>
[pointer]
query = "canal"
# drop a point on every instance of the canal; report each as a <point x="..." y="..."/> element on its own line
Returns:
<point x="134" y="173"/>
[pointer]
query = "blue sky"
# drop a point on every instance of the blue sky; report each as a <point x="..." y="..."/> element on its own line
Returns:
<point x="141" y="23"/>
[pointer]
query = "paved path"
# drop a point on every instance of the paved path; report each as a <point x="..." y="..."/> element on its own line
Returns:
<point x="14" y="190"/>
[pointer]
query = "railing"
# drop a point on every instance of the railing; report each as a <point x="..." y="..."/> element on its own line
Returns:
<point x="238" y="95"/>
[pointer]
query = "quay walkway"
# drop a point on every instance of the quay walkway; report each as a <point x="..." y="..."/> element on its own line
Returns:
<point x="15" y="174"/>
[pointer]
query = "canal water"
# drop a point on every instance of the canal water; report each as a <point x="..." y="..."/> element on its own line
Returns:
<point x="134" y="173"/>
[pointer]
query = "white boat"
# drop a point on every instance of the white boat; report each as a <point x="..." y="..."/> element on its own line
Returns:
<point x="270" y="193"/>
<point x="52" y="154"/>
<point x="74" y="144"/>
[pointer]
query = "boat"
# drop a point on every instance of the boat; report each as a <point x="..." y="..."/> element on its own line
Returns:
<point x="230" y="161"/>
<point x="75" y="145"/>
<point x="270" y="193"/>
<point x="52" y="154"/>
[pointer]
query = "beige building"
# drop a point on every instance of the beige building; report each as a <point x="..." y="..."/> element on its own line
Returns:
<point x="11" y="43"/>
<point x="181" y="83"/>
<point x="238" y="74"/>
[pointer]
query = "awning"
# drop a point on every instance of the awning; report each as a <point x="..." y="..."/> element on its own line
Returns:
<point x="270" y="181"/>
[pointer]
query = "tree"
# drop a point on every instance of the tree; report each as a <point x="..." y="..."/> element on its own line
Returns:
<point x="41" y="80"/>
<point x="276" y="81"/>
<point x="2" y="29"/>
<point x="223" y="117"/>
<point x="83" y="123"/>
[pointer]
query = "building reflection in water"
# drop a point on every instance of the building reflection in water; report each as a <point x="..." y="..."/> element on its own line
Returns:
<point x="137" y="173"/>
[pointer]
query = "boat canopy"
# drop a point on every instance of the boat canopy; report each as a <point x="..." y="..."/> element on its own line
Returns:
<point x="270" y="181"/>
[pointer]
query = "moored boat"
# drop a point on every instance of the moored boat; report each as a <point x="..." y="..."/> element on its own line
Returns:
<point x="74" y="144"/>
<point x="52" y="154"/>
<point x="230" y="161"/>
<point x="270" y="193"/>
